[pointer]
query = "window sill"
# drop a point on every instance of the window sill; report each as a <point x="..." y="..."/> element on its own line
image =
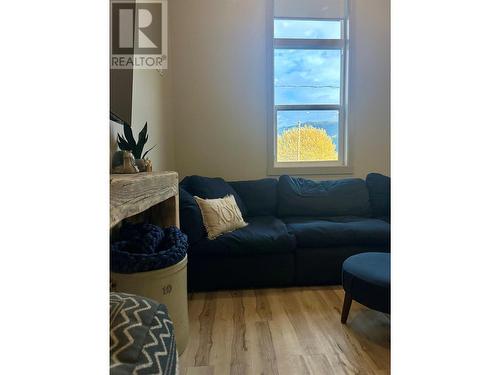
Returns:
<point x="333" y="170"/>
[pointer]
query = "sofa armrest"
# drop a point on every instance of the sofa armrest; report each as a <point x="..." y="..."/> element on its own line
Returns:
<point x="190" y="217"/>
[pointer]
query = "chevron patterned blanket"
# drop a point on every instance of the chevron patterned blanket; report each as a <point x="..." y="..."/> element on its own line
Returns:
<point x="142" y="337"/>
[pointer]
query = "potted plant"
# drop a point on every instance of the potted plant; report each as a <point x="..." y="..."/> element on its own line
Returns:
<point x="128" y="143"/>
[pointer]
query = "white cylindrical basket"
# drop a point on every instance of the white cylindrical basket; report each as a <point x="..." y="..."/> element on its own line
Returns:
<point x="167" y="286"/>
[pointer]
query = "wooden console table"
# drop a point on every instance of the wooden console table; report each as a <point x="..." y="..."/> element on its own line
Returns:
<point x="152" y="197"/>
<point x="154" y="194"/>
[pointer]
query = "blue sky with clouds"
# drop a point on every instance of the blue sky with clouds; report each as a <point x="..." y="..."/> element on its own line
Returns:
<point x="306" y="76"/>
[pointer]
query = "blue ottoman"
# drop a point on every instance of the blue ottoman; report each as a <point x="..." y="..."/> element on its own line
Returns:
<point x="366" y="278"/>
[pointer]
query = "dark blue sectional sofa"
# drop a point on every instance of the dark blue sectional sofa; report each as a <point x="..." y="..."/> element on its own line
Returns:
<point x="300" y="231"/>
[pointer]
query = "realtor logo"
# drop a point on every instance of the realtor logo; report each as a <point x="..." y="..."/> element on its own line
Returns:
<point x="138" y="34"/>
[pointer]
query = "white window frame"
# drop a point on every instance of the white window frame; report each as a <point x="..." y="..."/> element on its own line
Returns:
<point x="342" y="165"/>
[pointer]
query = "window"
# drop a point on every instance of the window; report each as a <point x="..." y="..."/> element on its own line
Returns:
<point x="309" y="95"/>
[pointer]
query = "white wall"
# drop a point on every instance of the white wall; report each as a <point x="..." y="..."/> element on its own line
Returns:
<point x="370" y="86"/>
<point x="152" y="101"/>
<point x="219" y="64"/>
<point x="219" y="86"/>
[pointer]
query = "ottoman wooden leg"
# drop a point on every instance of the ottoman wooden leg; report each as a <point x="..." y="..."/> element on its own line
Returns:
<point x="346" y="307"/>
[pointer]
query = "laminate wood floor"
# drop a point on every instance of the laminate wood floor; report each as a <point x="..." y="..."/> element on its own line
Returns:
<point x="283" y="331"/>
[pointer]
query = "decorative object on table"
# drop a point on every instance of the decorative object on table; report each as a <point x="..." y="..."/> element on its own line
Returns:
<point x="140" y="164"/>
<point x="117" y="159"/>
<point x="127" y="142"/>
<point x="149" y="165"/>
<point x="124" y="163"/>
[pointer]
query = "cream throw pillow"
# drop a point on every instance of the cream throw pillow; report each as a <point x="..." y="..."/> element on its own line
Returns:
<point x="220" y="215"/>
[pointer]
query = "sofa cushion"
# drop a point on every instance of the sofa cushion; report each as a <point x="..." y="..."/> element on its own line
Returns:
<point x="379" y="189"/>
<point x="263" y="234"/>
<point x="190" y="217"/>
<point x="260" y="197"/>
<point x="338" y="231"/>
<point x="301" y="197"/>
<point x="211" y="188"/>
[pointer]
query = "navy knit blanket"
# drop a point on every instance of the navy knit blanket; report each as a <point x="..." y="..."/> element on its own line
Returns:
<point x="147" y="247"/>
